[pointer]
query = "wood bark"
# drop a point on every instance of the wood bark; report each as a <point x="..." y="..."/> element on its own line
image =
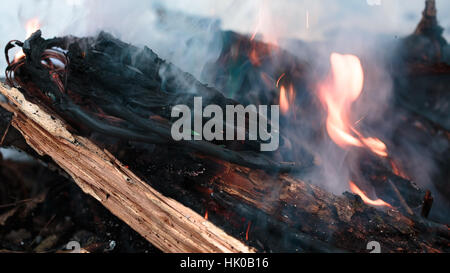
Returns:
<point x="344" y="222"/>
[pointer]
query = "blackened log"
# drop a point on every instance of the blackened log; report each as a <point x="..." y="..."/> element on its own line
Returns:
<point x="341" y="221"/>
<point x="116" y="89"/>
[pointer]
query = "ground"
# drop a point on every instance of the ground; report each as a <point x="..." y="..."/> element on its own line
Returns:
<point x="45" y="214"/>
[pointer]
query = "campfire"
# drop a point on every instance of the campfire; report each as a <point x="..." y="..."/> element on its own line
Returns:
<point x="100" y="111"/>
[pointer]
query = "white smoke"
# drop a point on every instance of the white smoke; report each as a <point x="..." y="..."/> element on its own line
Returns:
<point x="184" y="32"/>
<point x="138" y="20"/>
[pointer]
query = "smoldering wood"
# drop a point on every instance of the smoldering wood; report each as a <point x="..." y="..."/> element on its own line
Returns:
<point x="298" y="240"/>
<point x="167" y="224"/>
<point x="315" y="212"/>
<point x="305" y="227"/>
<point x="421" y="74"/>
<point x="311" y="214"/>
<point x="95" y="79"/>
<point x="420" y="93"/>
<point x="422" y="66"/>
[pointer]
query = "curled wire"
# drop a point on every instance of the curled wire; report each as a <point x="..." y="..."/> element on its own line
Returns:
<point x="56" y="61"/>
<point x="14" y="66"/>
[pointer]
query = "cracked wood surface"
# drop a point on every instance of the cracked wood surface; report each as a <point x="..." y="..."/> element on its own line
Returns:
<point x="164" y="222"/>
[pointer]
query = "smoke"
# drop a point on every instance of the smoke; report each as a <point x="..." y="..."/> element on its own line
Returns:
<point x="186" y="33"/>
<point x="139" y="21"/>
<point x="336" y="166"/>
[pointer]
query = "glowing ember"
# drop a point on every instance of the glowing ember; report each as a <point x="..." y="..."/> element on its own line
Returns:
<point x="31" y="26"/>
<point x="254" y="57"/>
<point x="280" y="78"/>
<point x="367" y="200"/>
<point x="248" y="230"/>
<point x="397" y="171"/>
<point x="338" y="93"/>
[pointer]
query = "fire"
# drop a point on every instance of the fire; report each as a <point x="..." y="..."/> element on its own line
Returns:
<point x="248" y="230"/>
<point x="397" y="171"/>
<point x="254" y="57"/>
<point x="287" y="98"/>
<point x="31" y="26"/>
<point x="376" y="146"/>
<point x="284" y="104"/>
<point x="367" y="200"/>
<point x="338" y="93"/>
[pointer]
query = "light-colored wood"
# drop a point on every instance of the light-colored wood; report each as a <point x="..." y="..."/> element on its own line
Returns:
<point x="167" y="224"/>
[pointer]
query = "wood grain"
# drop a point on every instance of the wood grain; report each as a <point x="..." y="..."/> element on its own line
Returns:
<point x="164" y="222"/>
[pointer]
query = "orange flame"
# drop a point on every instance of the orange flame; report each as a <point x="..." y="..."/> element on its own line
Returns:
<point x="206" y="215"/>
<point x="338" y="94"/>
<point x="367" y="200"/>
<point x="254" y="57"/>
<point x="248" y="230"/>
<point x="397" y="171"/>
<point x="284" y="104"/>
<point x="287" y="98"/>
<point x="31" y="27"/>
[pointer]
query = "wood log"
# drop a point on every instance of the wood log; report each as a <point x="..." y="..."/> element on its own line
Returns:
<point x="100" y="89"/>
<point x="166" y="223"/>
<point x="344" y="222"/>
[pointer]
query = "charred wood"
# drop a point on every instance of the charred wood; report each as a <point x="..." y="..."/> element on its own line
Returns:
<point x="302" y="217"/>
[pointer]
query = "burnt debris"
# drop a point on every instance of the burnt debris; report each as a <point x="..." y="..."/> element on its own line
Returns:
<point x="103" y="85"/>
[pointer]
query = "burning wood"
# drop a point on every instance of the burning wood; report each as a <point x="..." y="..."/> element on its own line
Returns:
<point x="106" y="109"/>
<point x="294" y="193"/>
<point x="101" y="109"/>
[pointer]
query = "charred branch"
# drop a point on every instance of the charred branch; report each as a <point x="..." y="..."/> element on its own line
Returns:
<point x="103" y="107"/>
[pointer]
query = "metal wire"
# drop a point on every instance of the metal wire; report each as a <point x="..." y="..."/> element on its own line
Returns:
<point x="13" y="67"/>
<point x="55" y="61"/>
<point x="58" y="73"/>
